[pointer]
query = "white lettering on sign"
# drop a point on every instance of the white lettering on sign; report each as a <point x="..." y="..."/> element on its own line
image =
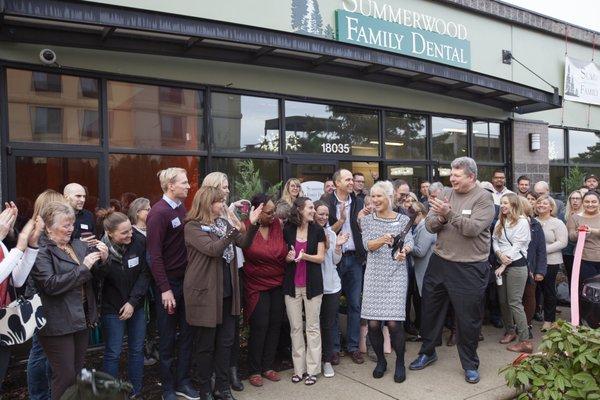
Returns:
<point x="409" y="18"/>
<point x="335" y="148"/>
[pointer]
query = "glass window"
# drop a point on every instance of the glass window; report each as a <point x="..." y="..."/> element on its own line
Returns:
<point x="134" y="175"/>
<point x="154" y="117"/>
<point x="449" y="138"/>
<point x="245" y="123"/>
<point x="241" y="187"/>
<point x="487" y="141"/>
<point x="556" y="144"/>
<point x="442" y="174"/>
<point x="557" y="174"/>
<point x="312" y="172"/>
<point x="89" y="87"/>
<point x="330" y="129"/>
<point x="36" y="174"/>
<point x="44" y="82"/>
<point x="485" y="173"/>
<point x="405" y="136"/>
<point x="369" y="169"/>
<point x="49" y="108"/>
<point x="413" y="174"/>
<point x="584" y="147"/>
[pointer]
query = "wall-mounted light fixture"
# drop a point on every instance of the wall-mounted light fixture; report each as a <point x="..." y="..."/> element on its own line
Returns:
<point x="535" y="141"/>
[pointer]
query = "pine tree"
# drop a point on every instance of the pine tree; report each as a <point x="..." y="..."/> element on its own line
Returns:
<point x="307" y="20"/>
<point x="299" y="10"/>
<point x="316" y="26"/>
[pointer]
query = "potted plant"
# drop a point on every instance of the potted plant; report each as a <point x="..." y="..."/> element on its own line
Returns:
<point x="567" y="367"/>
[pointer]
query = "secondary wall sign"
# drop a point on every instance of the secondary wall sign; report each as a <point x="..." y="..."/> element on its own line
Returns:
<point x="582" y="81"/>
<point x="403" y="31"/>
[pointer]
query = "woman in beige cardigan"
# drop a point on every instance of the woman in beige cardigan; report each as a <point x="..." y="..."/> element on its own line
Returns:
<point x="211" y="286"/>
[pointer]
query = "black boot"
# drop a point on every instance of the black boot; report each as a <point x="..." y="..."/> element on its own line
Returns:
<point x="400" y="373"/>
<point x="234" y="379"/>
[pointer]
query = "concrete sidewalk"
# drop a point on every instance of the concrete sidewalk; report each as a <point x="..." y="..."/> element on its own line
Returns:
<point x="442" y="380"/>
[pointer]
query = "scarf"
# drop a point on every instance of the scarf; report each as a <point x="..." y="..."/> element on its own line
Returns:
<point x="115" y="251"/>
<point x="219" y="228"/>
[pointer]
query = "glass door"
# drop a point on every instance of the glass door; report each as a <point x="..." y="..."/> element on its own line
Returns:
<point x="312" y="173"/>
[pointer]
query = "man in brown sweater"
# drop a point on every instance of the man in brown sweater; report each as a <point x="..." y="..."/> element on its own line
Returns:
<point x="458" y="270"/>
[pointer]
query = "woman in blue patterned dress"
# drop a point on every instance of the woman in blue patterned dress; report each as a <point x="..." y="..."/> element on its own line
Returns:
<point x="386" y="277"/>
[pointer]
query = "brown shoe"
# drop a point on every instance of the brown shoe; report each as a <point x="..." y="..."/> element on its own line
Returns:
<point x="335" y="358"/>
<point x="357" y="357"/>
<point x="451" y="339"/>
<point x="522" y="347"/>
<point x="271" y="375"/>
<point x="256" y="380"/>
<point x="508" y="337"/>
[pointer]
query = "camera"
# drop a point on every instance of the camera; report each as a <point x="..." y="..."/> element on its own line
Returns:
<point x="48" y="56"/>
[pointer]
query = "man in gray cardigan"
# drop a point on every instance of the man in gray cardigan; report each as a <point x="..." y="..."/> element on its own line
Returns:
<point x="458" y="269"/>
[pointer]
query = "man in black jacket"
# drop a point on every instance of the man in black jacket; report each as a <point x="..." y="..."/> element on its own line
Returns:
<point x="84" y="219"/>
<point x="344" y="207"/>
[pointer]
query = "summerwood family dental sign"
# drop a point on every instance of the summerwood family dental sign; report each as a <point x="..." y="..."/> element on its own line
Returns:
<point x="385" y="27"/>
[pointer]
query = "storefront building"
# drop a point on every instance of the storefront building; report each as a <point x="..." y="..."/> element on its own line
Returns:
<point x="389" y="88"/>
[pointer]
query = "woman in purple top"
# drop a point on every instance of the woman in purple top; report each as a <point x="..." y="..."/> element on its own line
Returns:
<point x="303" y="283"/>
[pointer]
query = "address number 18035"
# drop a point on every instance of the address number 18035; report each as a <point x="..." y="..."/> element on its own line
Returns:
<point x="335" y="148"/>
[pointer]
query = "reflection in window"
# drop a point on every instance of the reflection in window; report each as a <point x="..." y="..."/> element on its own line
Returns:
<point x="413" y="174"/>
<point x="47" y="120"/>
<point x="449" y="138"/>
<point x="245" y="123"/>
<point x="584" y="147"/>
<point x="136" y="117"/>
<point x="556" y="144"/>
<point x="89" y="87"/>
<point x="268" y="175"/>
<point x="134" y="175"/>
<point x="485" y="173"/>
<point x="36" y="174"/>
<point x="557" y="174"/>
<point x="91" y="124"/>
<point x="330" y="129"/>
<point x="487" y="141"/>
<point x="43" y="82"/>
<point x="51" y="108"/>
<point x="405" y="136"/>
<point x="369" y="169"/>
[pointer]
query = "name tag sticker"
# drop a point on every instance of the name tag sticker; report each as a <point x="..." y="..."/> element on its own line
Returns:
<point x="175" y="222"/>
<point x="85" y="226"/>
<point x="133" y="262"/>
<point x="466" y="212"/>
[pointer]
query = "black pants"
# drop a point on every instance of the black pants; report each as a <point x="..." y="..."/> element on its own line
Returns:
<point x="265" y="327"/>
<point x="568" y="262"/>
<point x="413" y="299"/>
<point x="549" y="291"/>
<point x="213" y="349"/>
<point x="167" y="324"/>
<point x="463" y="285"/>
<point x="492" y="303"/>
<point x="4" y="361"/>
<point x="329" y="310"/>
<point x="66" y="354"/>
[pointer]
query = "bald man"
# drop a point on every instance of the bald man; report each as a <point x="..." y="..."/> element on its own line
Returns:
<point x="84" y="219"/>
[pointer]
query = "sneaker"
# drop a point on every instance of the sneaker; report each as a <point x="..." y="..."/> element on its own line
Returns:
<point x="328" y="371"/>
<point x="187" y="392"/>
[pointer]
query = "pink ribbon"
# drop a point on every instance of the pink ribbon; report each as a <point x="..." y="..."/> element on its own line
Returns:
<point x="575" y="276"/>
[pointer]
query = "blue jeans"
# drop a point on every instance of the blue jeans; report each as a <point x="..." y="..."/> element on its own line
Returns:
<point x="351" y="275"/>
<point x="114" y="332"/>
<point x="39" y="373"/>
<point x="174" y="374"/>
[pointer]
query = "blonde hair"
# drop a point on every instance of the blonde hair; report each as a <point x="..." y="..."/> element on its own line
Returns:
<point x="285" y="193"/>
<point x="387" y="188"/>
<point x="550" y="200"/>
<point x="55" y="209"/>
<point x="419" y="207"/>
<point x="168" y="176"/>
<point x="526" y="206"/>
<point x="205" y="197"/>
<point x="215" y="179"/>
<point x="513" y="217"/>
<point x="44" y="198"/>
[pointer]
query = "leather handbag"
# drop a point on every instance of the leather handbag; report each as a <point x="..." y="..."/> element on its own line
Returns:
<point x="92" y="384"/>
<point x="20" y="320"/>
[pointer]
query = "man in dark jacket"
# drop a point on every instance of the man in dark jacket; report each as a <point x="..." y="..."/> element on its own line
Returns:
<point x="344" y="207"/>
<point x="84" y="219"/>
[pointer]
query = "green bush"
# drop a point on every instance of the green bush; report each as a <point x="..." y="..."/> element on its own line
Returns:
<point x="568" y="366"/>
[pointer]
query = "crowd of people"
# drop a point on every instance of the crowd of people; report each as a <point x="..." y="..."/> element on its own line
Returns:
<point x="407" y="263"/>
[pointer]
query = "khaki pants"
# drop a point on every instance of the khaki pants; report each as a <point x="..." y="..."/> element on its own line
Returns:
<point x="510" y="294"/>
<point x="305" y="360"/>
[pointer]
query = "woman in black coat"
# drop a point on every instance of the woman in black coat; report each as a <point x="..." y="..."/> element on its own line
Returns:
<point x="125" y="277"/>
<point x="62" y="274"/>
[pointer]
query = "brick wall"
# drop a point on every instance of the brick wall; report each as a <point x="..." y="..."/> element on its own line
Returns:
<point x="534" y="164"/>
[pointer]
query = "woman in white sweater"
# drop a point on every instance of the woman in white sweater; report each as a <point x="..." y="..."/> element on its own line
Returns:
<point x="510" y="241"/>
<point x="557" y="238"/>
